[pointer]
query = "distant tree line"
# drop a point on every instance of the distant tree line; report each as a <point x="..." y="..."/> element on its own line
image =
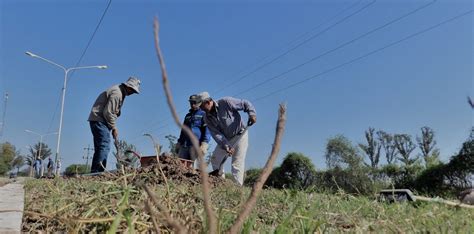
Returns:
<point x="12" y="161"/>
<point x="10" y="158"/>
<point x="348" y="171"/>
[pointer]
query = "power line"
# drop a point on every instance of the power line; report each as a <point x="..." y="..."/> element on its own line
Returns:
<point x="292" y="48"/>
<point x="365" y="55"/>
<point x="300" y="44"/>
<point x="92" y="37"/>
<point x="301" y="36"/>
<point x="79" y="61"/>
<point x="338" y="47"/>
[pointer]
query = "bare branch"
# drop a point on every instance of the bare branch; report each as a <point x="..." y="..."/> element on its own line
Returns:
<point x="202" y="164"/>
<point x="157" y="151"/>
<point x="257" y="188"/>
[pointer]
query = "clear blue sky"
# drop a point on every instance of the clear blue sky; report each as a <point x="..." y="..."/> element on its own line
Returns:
<point x="422" y="81"/>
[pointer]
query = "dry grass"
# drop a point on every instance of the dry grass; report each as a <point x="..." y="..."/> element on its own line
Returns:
<point x="84" y="205"/>
<point x="4" y="181"/>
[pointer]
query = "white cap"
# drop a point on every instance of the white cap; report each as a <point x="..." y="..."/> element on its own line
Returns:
<point x="203" y="96"/>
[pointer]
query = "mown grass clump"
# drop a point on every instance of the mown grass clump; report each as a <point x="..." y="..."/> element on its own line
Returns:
<point x="4" y="181"/>
<point x="85" y="205"/>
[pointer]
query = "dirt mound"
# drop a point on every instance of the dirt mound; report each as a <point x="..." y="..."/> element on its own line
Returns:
<point x="173" y="169"/>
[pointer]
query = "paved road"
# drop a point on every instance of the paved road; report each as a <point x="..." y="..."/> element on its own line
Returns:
<point x="11" y="206"/>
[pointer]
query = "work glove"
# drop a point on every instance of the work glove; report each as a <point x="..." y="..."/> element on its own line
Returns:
<point x="252" y="120"/>
<point x="204" y="146"/>
<point x="177" y="147"/>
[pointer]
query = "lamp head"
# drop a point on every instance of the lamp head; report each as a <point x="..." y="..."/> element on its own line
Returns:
<point x="30" y="54"/>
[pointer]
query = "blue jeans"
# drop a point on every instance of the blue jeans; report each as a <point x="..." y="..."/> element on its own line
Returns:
<point x="101" y="134"/>
<point x="37" y="167"/>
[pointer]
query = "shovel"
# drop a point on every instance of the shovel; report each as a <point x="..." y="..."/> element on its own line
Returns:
<point x="217" y="172"/>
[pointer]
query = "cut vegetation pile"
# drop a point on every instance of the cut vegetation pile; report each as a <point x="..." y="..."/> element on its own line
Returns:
<point x="173" y="169"/>
<point x="115" y="200"/>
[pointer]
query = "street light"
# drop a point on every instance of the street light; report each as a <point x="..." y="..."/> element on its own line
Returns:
<point x="41" y="139"/>
<point x="66" y="72"/>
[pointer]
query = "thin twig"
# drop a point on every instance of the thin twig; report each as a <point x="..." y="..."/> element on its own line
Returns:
<point x="165" y="212"/>
<point x="257" y="188"/>
<point x="157" y="152"/>
<point x="202" y="164"/>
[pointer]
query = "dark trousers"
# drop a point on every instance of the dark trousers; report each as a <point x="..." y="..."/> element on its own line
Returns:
<point x="101" y="134"/>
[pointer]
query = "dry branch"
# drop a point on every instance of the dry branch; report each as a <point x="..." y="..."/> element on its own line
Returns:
<point x="157" y="152"/>
<point x="202" y="164"/>
<point x="257" y="188"/>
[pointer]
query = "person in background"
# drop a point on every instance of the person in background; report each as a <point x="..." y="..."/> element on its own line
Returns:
<point x="103" y="117"/>
<point x="225" y="123"/>
<point x="37" y="166"/>
<point x="194" y="119"/>
<point x="50" y="167"/>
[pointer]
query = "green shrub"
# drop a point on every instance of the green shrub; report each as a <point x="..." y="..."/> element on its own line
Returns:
<point x="76" y="169"/>
<point x="251" y="176"/>
<point x="348" y="180"/>
<point x="296" y="172"/>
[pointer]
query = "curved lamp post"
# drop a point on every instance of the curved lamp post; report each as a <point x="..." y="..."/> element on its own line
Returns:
<point x="66" y="72"/>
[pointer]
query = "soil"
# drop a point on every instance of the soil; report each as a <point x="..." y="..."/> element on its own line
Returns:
<point x="173" y="168"/>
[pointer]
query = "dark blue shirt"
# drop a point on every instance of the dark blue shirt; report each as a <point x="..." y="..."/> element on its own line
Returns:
<point x="195" y="121"/>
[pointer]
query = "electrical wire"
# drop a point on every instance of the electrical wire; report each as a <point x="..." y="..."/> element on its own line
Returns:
<point x="301" y="43"/>
<point x="365" y="55"/>
<point x="293" y="47"/>
<point x="337" y="47"/>
<point x="79" y="61"/>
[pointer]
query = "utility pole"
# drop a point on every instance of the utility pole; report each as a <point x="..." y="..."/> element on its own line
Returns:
<point x="3" y="123"/>
<point x="86" y="156"/>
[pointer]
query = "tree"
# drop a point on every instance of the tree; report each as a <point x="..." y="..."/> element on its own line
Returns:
<point x="450" y="178"/>
<point x="461" y="166"/>
<point x="8" y="153"/>
<point x="18" y="162"/>
<point x="296" y="171"/>
<point x="172" y="142"/>
<point x="405" y="147"/>
<point x="39" y="150"/>
<point x="388" y="144"/>
<point x="341" y="153"/>
<point x="372" y="149"/>
<point x="251" y="176"/>
<point x="427" y="144"/>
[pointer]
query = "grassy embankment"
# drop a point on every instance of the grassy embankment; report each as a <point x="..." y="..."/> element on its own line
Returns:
<point x="68" y="205"/>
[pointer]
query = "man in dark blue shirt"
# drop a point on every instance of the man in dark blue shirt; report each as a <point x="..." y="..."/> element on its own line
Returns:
<point x="195" y="121"/>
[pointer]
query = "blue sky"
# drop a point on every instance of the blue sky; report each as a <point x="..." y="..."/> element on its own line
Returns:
<point x="210" y="45"/>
